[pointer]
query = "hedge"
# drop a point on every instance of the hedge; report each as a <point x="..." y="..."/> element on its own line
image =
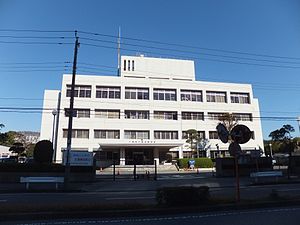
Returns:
<point x="199" y="162"/>
<point x="182" y="196"/>
<point x="37" y="167"/>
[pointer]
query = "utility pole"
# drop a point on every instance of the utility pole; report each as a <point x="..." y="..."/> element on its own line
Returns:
<point x="70" y="125"/>
<point x="56" y="127"/>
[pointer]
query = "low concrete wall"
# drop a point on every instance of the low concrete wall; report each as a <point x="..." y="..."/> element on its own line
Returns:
<point x="295" y="164"/>
<point x="225" y="167"/>
<point x="14" y="177"/>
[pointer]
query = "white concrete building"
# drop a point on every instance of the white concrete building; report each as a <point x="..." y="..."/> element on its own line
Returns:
<point x="4" y="151"/>
<point x="141" y="115"/>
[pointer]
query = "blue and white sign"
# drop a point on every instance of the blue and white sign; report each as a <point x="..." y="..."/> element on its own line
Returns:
<point x="79" y="158"/>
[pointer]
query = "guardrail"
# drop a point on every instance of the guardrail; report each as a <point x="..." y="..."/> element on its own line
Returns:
<point x="29" y="180"/>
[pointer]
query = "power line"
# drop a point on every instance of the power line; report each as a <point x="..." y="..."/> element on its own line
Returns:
<point x="37" y="31"/>
<point x="33" y="63"/>
<point x="34" y="37"/>
<point x="189" y="46"/>
<point x="34" y="70"/>
<point x="148" y="41"/>
<point x="35" y="43"/>
<point x="195" y="58"/>
<point x="192" y="52"/>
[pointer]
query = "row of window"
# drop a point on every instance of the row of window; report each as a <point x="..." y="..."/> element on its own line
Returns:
<point x="163" y="115"/>
<point x="136" y="134"/>
<point x="112" y="92"/>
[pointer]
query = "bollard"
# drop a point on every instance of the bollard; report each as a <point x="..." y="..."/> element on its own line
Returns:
<point x="114" y="171"/>
<point x="134" y="172"/>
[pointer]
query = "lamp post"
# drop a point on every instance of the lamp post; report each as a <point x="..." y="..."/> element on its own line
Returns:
<point x="298" y="120"/>
<point x="271" y="152"/>
<point x="54" y="113"/>
<point x="218" y="150"/>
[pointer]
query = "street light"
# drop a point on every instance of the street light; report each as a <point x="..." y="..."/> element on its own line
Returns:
<point x="271" y="153"/>
<point x="54" y="113"/>
<point x="218" y="150"/>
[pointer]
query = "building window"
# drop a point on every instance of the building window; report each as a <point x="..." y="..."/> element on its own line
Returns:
<point x="192" y="115"/>
<point x="214" y="116"/>
<point x="252" y="135"/>
<point x="187" y="154"/>
<point x="136" y="134"/>
<point x="124" y="65"/>
<point x="191" y="95"/>
<point x="213" y="96"/>
<point x="243" y="116"/>
<point x="128" y="65"/>
<point x="81" y="91"/>
<point x="164" y="94"/>
<point x="132" y="65"/>
<point x="79" y="113"/>
<point x="136" y="93"/>
<point x="77" y="133"/>
<point x="166" y="135"/>
<point x="131" y="114"/>
<point x="201" y="134"/>
<point x="107" y="134"/>
<point x="213" y="135"/>
<point x="165" y="115"/>
<point x="242" y="98"/>
<point x="108" y="92"/>
<point x="107" y="113"/>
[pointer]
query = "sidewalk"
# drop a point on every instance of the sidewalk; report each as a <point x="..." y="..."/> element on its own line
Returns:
<point x="222" y="192"/>
<point x="104" y="182"/>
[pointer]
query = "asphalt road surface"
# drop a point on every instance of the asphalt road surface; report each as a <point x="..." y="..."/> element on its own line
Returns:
<point x="267" y="216"/>
<point x="138" y="196"/>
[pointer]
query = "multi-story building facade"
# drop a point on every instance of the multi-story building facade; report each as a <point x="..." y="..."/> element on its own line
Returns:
<point x="143" y="114"/>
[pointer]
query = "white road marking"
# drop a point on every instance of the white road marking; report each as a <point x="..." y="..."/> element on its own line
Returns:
<point x="135" y="219"/>
<point x="129" y="198"/>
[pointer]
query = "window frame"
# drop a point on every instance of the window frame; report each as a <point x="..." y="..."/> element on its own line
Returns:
<point x="215" y="96"/>
<point x="109" y="92"/>
<point x="106" y="134"/>
<point x="137" y="93"/>
<point x="80" y="91"/>
<point x="191" y="95"/>
<point x="161" y="94"/>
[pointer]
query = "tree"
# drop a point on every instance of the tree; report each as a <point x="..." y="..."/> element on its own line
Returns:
<point x="10" y="137"/>
<point x="282" y="134"/>
<point x="17" y="148"/>
<point x="284" y="138"/>
<point x="228" y="120"/>
<point x="43" y="152"/>
<point x="29" y="149"/>
<point x="203" y="145"/>
<point x="192" y="137"/>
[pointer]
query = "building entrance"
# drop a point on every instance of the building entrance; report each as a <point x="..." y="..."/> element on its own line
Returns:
<point x="139" y="157"/>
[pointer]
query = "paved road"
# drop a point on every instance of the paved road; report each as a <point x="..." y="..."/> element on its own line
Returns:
<point x="268" y="216"/>
<point x="138" y="195"/>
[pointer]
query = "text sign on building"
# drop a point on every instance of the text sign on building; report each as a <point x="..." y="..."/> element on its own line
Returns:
<point x="79" y="158"/>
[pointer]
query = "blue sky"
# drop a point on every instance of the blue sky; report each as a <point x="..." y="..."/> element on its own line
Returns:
<point x="258" y="27"/>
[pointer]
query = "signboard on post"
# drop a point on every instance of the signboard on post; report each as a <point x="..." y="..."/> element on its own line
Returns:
<point x="79" y="158"/>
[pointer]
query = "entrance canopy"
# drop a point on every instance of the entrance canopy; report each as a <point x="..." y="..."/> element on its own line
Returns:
<point x="142" y="144"/>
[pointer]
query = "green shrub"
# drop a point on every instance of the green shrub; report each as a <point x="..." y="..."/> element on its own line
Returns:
<point x="199" y="162"/>
<point x="43" y="152"/>
<point x="42" y="168"/>
<point x="182" y="196"/>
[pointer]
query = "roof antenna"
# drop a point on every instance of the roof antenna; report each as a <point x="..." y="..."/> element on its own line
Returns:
<point x="119" y="52"/>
